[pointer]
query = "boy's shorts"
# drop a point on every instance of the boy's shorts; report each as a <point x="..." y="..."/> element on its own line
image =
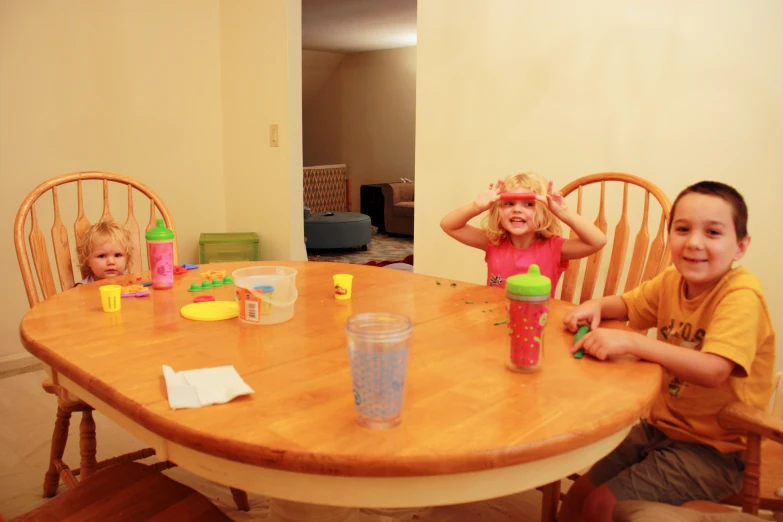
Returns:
<point x="648" y="465"/>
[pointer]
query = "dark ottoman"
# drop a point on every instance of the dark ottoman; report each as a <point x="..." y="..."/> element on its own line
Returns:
<point x="339" y="230"/>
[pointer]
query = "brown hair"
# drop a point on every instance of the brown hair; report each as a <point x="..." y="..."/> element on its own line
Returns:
<point x="546" y="224"/>
<point x="107" y="229"/>
<point x="726" y="193"/>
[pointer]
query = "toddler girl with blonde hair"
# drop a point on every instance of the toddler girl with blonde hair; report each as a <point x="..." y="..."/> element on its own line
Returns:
<point x="517" y="233"/>
<point x="105" y="250"/>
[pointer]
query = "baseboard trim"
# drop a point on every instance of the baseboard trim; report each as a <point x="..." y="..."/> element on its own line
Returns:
<point x="17" y="364"/>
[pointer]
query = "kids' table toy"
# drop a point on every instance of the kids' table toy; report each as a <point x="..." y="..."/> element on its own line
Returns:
<point x="518" y="196"/>
<point x="110" y="298"/>
<point x="134" y="290"/>
<point x="580" y="332"/>
<point x="528" y="306"/>
<point x="212" y="274"/>
<point x="342" y="286"/>
<point x="210" y="310"/>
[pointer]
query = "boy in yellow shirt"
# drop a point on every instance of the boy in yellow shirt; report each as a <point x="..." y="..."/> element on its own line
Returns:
<point x="716" y="345"/>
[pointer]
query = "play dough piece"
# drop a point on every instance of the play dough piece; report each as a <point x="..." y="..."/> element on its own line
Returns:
<point x="210" y="311"/>
<point x="581" y="331"/>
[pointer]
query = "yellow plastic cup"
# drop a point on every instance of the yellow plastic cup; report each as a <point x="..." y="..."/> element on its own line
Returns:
<point x="110" y="298"/>
<point x="342" y="286"/>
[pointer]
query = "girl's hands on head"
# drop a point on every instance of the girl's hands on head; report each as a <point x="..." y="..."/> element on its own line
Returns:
<point x="554" y="201"/>
<point x="588" y="313"/>
<point x="487" y="197"/>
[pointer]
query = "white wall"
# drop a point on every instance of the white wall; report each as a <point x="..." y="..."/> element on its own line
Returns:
<point x="364" y="115"/>
<point x="128" y="86"/>
<point x="262" y="85"/>
<point x="153" y="90"/>
<point x="674" y="91"/>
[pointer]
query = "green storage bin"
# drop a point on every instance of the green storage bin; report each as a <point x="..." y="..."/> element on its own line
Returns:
<point x="228" y="246"/>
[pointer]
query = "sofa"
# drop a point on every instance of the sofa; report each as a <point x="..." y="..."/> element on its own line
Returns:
<point x="398" y="208"/>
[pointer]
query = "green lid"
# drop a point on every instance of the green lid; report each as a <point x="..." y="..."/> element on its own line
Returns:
<point x="530" y="284"/>
<point x="159" y="232"/>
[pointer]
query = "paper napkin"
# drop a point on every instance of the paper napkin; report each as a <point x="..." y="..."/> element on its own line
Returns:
<point x="202" y="387"/>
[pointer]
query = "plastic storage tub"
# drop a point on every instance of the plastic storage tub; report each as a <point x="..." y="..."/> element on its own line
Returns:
<point x="265" y="294"/>
<point x="233" y="246"/>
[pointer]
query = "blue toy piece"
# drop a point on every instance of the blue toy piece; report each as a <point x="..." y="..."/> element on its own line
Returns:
<point x="188" y="266"/>
<point x="147" y="283"/>
<point x="581" y="331"/>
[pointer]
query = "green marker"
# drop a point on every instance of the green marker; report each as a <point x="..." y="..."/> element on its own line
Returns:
<point x="583" y="329"/>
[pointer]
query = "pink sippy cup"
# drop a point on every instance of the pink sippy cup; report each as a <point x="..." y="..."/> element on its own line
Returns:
<point x="160" y="249"/>
<point x="528" y="306"/>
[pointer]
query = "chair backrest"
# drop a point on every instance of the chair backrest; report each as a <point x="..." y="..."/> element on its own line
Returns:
<point x="648" y="257"/>
<point x="327" y="188"/>
<point x="776" y="407"/>
<point x="61" y="245"/>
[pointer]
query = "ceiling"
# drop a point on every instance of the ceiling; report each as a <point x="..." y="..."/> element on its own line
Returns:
<point x="351" y="26"/>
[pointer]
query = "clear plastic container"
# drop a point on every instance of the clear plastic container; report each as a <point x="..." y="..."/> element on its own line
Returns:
<point x="265" y="294"/>
<point x="528" y="307"/>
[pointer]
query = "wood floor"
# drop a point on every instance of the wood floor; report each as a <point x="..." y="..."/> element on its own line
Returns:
<point x="27" y="414"/>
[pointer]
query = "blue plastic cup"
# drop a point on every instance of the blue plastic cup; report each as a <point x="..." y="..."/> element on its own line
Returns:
<point x="378" y="346"/>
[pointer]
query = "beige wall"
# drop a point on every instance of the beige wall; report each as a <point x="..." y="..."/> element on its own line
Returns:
<point x="673" y="91"/>
<point x="135" y="87"/>
<point x="364" y="116"/>
<point x="263" y="183"/>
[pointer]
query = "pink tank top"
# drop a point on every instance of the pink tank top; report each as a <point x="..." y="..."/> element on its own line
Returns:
<point x="505" y="260"/>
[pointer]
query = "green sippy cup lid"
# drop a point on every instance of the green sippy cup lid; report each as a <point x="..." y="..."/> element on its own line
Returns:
<point x="159" y="232"/>
<point x="530" y="284"/>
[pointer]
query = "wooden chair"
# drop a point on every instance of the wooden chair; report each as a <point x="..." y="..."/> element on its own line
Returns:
<point x="763" y="455"/>
<point x="643" y="511"/>
<point x="648" y="257"/>
<point x="40" y="285"/>
<point x="128" y="492"/>
<point x="763" y="471"/>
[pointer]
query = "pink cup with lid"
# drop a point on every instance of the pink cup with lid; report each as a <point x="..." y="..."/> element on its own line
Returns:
<point x="160" y="249"/>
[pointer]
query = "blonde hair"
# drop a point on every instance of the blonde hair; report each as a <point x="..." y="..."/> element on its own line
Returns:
<point x="105" y="230"/>
<point x="546" y="224"/>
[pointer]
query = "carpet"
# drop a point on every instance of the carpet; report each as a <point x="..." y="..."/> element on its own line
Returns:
<point x="382" y="248"/>
<point x="407" y="260"/>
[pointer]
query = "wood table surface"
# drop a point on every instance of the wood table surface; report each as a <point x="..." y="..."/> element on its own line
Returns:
<point x="465" y="414"/>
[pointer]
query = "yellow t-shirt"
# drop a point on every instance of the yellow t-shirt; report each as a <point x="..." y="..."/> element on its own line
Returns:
<point x="730" y="320"/>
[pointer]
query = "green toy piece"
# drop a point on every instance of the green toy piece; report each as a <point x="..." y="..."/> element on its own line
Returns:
<point x="195" y="287"/>
<point x="206" y="285"/>
<point x="217" y="282"/>
<point x="581" y="331"/>
<point x="501" y="322"/>
<point x="228" y="281"/>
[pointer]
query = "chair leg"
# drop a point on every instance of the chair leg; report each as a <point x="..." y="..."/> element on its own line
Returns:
<point x="550" y="501"/>
<point x="240" y="499"/>
<point x="87" y="445"/>
<point x="59" y="438"/>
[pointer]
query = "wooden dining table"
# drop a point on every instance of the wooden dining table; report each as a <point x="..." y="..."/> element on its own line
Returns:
<point x="471" y="429"/>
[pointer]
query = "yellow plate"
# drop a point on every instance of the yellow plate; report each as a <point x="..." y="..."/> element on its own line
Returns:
<point x="210" y="311"/>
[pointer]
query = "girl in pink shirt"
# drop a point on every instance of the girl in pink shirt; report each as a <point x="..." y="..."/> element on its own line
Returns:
<point x="518" y="233"/>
